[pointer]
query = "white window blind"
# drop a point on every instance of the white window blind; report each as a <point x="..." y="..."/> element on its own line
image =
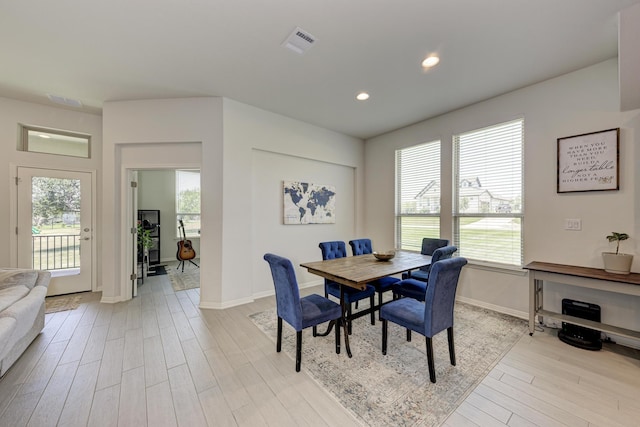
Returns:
<point x="417" y="194"/>
<point x="488" y="210"/>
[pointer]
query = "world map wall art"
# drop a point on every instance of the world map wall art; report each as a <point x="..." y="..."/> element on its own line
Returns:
<point x="306" y="203"/>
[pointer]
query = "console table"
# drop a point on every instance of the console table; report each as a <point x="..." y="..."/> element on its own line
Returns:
<point x="584" y="277"/>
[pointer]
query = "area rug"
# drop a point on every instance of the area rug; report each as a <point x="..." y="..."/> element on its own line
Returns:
<point x="395" y="389"/>
<point x="188" y="279"/>
<point x="62" y="303"/>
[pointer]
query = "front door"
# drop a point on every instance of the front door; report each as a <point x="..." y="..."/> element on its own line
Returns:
<point x="55" y="227"/>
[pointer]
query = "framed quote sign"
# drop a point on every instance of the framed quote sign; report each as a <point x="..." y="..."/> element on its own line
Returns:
<point x="589" y="162"/>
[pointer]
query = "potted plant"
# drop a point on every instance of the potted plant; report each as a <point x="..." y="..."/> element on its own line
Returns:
<point x="616" y="262"/>
<point x="144" y="243"/>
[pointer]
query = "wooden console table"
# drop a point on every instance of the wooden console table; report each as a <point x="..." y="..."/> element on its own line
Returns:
<point x="584" y="277"/>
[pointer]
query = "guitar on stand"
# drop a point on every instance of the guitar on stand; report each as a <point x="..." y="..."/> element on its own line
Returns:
<point x="185" y="249"/>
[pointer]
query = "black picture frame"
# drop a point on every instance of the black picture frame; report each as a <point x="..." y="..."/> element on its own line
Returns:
<point x="589" y="162"/>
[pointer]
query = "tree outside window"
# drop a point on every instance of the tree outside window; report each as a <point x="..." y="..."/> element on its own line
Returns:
<point x="188" y="202"/>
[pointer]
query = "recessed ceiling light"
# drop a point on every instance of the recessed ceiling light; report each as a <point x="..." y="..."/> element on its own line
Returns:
<point x="362" y="96"/>
<point x="430" y="61"/>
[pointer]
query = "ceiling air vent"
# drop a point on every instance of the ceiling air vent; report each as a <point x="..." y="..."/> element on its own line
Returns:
<point x="65" y="101"/>
<point x="299" y="41"/>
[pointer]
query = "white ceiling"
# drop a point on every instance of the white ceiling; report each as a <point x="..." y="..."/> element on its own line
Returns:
<point x="97" y="51"/>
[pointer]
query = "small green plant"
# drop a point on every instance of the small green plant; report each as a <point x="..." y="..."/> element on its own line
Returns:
<point x="617" y="237"/>
<point x="144" y="237"/>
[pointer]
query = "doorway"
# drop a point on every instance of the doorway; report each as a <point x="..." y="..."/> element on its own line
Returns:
<point x="158" y="200"/>
<point x="56" y="227"/>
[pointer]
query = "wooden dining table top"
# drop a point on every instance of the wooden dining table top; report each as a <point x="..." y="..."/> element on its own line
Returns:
<point x="357" y="271"/>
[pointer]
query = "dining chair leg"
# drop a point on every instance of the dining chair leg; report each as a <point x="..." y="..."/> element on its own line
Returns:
<point x="372" y="304"/>
<point x="384" y="336"/>
<point x="315" y="331"/>
<point x="452" y="350"/>
<point x="408" y="334"/>
<point x="432" y="368"/>
<point x="379" y="304"/>
<point x="298" y="350"/>
<point x="279" y="338"/>
<point x="349" y="318"/>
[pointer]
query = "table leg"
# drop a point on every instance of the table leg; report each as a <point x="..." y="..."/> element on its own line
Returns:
<point x="532" y="302"/>
<point x="344" y="321"/>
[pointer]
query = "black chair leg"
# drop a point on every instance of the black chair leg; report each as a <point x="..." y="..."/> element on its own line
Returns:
<point x="432" y="367"/>
<point x="372" y="303"/>
<point x="452" y="350"/>
<point x="298" y="349"/>
<point x="379" y="304"/>
<point x="384" y="336"/>
<point x="349" y="319"/>
<point x="408" y="334"/>
<point x="279" y="338"/>
<point x="315" y="331"/>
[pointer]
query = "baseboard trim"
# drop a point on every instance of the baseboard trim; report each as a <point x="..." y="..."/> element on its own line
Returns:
<point x="205" y="305"/>
<point x="504" y="310"/>
<point x="111" y="300"/>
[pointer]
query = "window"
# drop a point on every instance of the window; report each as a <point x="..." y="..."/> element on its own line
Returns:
<point x="52" y="141"/>
<point x="488" y="211"/>
<point x="188" y="202"/>
<point x="417" y="194"/>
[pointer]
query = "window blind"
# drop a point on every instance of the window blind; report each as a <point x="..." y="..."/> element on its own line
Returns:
<point x="417" y="194"/>
<point x="488" y="203"/>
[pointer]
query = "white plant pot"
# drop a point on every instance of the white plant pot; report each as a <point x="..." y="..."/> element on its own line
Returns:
<point x="617" y="263"/>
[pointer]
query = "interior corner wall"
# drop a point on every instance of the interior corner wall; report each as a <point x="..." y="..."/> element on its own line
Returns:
<point x="584" y="101"/>
<point x="135" y="131"/>
<point x="261" y="149"/>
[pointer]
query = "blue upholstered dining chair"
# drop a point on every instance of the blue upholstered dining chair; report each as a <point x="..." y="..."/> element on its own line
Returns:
<point x="337" y="249"/>
<point x="300" y="313"/>
<point x="429" y="245"/>
<point x="384" y="284"/>
<point x="417" y="289"/>
<point x="431" y="317"/>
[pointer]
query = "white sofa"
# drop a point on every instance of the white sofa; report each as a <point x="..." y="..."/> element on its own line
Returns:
<point x="22" y="294"/>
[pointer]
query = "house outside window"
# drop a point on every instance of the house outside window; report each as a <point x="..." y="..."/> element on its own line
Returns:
<point x="417" y="194"/>
<point x="188" y="202"/>
<point x="488" y="198"/>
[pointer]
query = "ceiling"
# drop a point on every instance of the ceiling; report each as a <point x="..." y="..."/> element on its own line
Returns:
<point x="116" y="50"/>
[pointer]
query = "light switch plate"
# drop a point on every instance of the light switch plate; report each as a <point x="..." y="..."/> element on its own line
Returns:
<point x="573" y="224"/>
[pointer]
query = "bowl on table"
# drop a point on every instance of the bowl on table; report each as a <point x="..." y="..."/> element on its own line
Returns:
<point x="385" y="256"/>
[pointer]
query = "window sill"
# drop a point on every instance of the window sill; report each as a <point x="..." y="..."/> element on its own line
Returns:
<point x="498" y="268"/>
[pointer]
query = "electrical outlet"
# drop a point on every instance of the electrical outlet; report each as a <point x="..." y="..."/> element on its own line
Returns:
<point x="573" y="224"/>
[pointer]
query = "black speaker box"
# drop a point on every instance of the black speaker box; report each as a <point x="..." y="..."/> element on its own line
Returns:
<point x="579" y="336"/>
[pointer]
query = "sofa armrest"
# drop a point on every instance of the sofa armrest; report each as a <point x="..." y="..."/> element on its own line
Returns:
<point x="44" y="277"/>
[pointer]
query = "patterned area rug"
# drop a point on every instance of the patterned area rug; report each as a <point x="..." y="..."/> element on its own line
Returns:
<point x="62" y="303"/>
<point x="395" y="389"/>
<point x="181" y="281"/>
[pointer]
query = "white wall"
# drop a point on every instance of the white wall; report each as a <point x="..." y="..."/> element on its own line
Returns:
<point x="580" y="102"/>
<point x="156" y="134"/>
<point x="146" y="133"/>
<point x="260" y="150"/>
<point x="12" y="114"/>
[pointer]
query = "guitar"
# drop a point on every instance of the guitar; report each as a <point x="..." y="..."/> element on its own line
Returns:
<point x="185" y="249"/>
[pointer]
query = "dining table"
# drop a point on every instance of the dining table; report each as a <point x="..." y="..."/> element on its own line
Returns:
<point x="357" y="271"/>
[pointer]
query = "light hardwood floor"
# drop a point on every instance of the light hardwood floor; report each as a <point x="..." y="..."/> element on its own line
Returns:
<point x="158" y="360"/>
